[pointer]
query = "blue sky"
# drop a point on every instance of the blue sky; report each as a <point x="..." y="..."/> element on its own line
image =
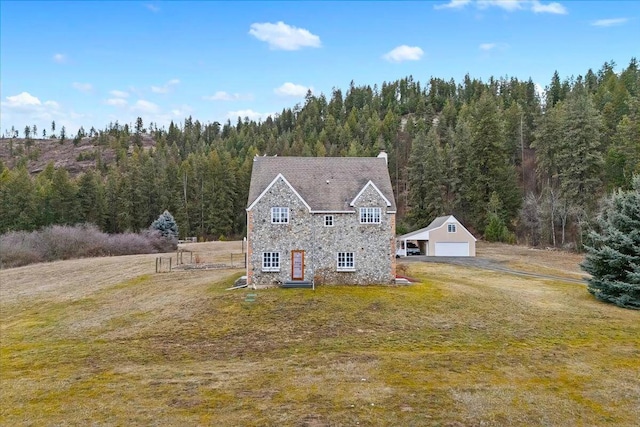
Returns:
<point x="91" y="63"/>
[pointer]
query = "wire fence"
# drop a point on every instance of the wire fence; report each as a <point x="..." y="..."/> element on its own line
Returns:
<point x="187" y="259"/>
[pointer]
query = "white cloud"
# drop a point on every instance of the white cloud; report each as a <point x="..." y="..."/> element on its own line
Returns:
<point x="404" y="53"/>
<point x="24" y="99"/>
<point x="284" y="37"/>
<point x="153" y="8"/>
<point x="534" y="6"/>
<point x="252" y="115"/>
<point x="487" y="47"/>
<point x="116" y="102"/>
<point x="539" y="91"/>
<point x="26" y="109"/>
<point x="182" y="111"/>
<point x="226" y="96"/>
<point x="60" y="58"/>
<point x="145" y="107"/>
<point x="166" y="88"/>
<point x="609" y="22"/>
<point x="453" y="4"/>
<point x="83" y="87"/>
<point x="508" y="5"/>
<point x="555" y="8"/>
<point x="292" y="89"/>
<point x="119" y="93"/>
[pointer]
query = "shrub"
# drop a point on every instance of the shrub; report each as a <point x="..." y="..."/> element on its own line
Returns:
<point x="166" y="225"/>
<point x="57" y="242"/>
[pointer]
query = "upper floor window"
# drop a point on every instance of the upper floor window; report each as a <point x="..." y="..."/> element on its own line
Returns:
<point x="279" y="215"/>
<point x="346" y="261"/>
<point x="328" y="220"/>
<point x="271" y="261"/>
<point x="451" y="228"/>
<point x="369" y="215"/>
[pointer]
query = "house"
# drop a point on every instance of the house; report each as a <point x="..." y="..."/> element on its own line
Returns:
<point x="445" y="236"/>
<point x="320" y="220"/>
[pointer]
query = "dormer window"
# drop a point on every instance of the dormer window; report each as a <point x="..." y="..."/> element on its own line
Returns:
<point x="451" y="228"/>
<point x="279" y="215"/>
<point x="370" y="215"/>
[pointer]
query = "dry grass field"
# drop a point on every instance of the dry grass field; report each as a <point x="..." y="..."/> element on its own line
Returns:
<point x="109" y="342"/>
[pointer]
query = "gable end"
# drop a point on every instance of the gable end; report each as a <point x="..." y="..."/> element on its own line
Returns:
<point x="279" y="176"/>
<point x="353" y="202"/>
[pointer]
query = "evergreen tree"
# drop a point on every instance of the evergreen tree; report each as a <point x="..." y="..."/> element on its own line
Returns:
<point x="487" y="156"/>
<point x="166" y="225"/>
<point x="579" y="157"/>
<point x="91" y="202"/>
<point x="613" y="250"/>
<point x="425" y="179"/>
<point x="17" y="200"/>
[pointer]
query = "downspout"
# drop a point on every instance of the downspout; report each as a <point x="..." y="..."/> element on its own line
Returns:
<point x="313" y="253"/>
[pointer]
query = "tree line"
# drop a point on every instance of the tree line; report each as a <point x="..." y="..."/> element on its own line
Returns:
<point x="509" y="162"/>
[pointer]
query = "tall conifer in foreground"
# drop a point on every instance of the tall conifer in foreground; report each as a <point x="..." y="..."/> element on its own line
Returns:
<point x="613" y="250"/>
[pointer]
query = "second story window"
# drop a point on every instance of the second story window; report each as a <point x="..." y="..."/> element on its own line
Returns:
<point x="451" y="228"/>
<point x="369" y="215"/>
<point x="279" y="215"/>
<point x="328" y="220"/>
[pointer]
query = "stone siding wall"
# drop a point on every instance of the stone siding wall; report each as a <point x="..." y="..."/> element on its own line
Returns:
<point x="373" y="245"/>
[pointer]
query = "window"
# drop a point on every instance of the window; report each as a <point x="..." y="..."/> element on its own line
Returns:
<point x="345" y="261"/>
<point x="279" y="215"/>
<point x="328" y="220"/>
<point x="271" y="261"/>
<point x="369" y="215"/>
<point x="451" y="228"/>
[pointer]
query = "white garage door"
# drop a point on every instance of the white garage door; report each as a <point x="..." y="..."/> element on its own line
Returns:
<point x="452" y="249"/>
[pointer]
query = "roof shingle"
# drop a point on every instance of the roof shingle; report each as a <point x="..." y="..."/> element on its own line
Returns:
<point x="325" y="183"/>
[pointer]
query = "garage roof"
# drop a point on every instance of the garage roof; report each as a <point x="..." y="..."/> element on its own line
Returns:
<point x="423" y="233"/>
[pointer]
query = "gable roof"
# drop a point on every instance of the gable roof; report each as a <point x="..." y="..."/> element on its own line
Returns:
<point x="370" y="183"/>
<point x="436" y="223"/>
<point x="324" y="183"/>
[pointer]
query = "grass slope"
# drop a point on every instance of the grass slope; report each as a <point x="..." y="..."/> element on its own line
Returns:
<point x="464" y="347"/>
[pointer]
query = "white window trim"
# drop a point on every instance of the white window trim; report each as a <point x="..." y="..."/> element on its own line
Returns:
<point x="373" y="210"/>
<point x="353" y="260"/>
<point x="271" y="268"/>
<point x="451" y="228"/>
<point x="279" y="217"/>
<point x="332" y="219"/>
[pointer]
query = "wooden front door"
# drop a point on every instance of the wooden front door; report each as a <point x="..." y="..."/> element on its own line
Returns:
<point x="297" y="265"/>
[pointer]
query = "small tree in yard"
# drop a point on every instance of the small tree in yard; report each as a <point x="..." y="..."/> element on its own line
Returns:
<point x="166" y="225"/>
<point x="613" y="250"/>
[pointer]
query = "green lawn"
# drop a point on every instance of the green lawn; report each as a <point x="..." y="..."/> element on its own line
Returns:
<point x="463" y="347"/>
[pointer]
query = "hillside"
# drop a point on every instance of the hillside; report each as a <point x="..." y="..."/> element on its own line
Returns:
<point x="532" y="165"/>
<point x="76" y="159"/>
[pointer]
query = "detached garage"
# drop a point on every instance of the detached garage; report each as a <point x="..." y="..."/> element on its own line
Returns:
<point x="445" y="236"/>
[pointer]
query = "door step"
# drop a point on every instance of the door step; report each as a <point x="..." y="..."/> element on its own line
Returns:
<point x="297" y="284"/>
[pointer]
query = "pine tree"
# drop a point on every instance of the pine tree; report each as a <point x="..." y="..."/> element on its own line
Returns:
<point x="613" y="250"/>
<point x="426" y="179"/>
<point x="579" y="157"/>
<point x="166" y="225"/>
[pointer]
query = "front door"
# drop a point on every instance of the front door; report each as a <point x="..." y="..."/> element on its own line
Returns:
<point x="297" y="265"/>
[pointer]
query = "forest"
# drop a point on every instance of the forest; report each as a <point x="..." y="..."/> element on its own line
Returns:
<point x="511" y="163"/>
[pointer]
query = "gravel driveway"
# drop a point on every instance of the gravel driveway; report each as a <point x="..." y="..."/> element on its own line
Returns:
<point x="487" y="264"/>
